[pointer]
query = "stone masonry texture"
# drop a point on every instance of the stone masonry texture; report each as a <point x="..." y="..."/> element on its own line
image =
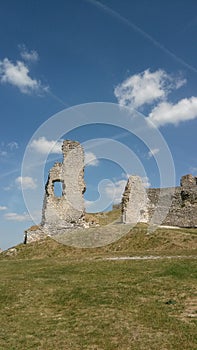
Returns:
<point x="168" y="206"/>
<point x="135" y="201"/>
<point x="140" y="204"/>
<point x="67" y="210"/>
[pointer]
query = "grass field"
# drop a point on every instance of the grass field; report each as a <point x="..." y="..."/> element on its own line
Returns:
<point x="58" y="297"/>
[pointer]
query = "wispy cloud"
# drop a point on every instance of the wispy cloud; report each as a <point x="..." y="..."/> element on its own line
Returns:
<point x="115" y="190"/>
<point x="3" y="207"/>
<point x="44" y="146"/>
<point x="7" y="148"/>
<point x="88" y="204"/>
<point x="26" y="183"/>
<point x="144" y="34"/>
<point x="152" y="152"/>
<point x="7" y="173"/>
<point x="17" y="217"/>
<point x="3" y="153"/>
<point x="146" y="181"/>
<point x="28" y="55"/>
<point x="12" y="145"/>
<point x="91" y="159"/>
<point x="193" y="170"/>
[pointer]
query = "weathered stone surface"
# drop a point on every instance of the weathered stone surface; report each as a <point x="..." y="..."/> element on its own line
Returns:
<point x="135" y="201"/>
<point x="169" y="206"/>
<point x="67" y="210"/>
<point x="34" y="233"/>
<point x="11" y="252"/>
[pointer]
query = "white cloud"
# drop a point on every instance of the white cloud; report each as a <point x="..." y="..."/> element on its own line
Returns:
<point x="110" y="193"/>
<point x="26" y="182"/>
<point x="3" y="153"/>
<point x="3" y="207"/>
<point x="6" y="148"/>
<point x="152" y="152"/>
<point x="88" y="204"/>
<point x="17" y="74"/>
<point x="193" y="170"/>
<point x="17" y="217"/>
<point x="153" y="87"/>
<point x="90" y="159"/>
<point x="12" y="145"/>
<point x="146" y="181"/>
<point x="146" y="88"/>
<point x="8" y="188"/>
<point x="44" y="146"/>
<point x="27" y="55"/>
<point x="115" y="190"/>
<point x="168" y="113"/>
<point x="125" y="175"/>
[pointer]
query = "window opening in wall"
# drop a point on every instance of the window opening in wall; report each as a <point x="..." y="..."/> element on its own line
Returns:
<point x="57" y="185"/>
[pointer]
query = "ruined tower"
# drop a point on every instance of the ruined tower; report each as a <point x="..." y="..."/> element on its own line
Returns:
<point x="66" y="210"/>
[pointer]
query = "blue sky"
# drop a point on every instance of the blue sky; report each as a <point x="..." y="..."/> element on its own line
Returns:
<point x="56" y="55"/>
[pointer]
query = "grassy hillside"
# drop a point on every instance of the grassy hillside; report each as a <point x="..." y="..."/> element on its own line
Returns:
<point x="105" y="218"/>
<point x="69" y="304"/>
<point x="57" y="297"/>
<point x="136" y="242"/>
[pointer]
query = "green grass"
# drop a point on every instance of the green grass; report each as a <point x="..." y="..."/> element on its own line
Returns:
<point x="58" y="297"/>
<point x="136" y="242"/>
<point x="63" y="304"/>
<point x="108" y="217"/>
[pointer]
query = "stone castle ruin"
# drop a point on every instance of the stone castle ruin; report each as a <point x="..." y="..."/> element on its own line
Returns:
<point x="67" y="210"/>
<point x="179" y="203"/>
<point x="173" y="206"/>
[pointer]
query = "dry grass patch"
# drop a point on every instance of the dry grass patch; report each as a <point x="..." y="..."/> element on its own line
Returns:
<point x="190" y="309"/>
<point x="133" y="241"/>
<point x="54" y="303"/>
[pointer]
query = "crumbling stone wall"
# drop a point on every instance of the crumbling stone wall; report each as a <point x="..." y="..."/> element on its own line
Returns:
<point x="67" y="210"/>
<point x="182" y="210"/>
<point x="135" y="201"/>
<point x="34" y="233"/>
<point x="138" y="204"/>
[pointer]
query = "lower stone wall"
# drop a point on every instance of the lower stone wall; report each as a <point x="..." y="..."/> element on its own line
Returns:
<point x="34" y="233"/>
<point x="167" y="206"/>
